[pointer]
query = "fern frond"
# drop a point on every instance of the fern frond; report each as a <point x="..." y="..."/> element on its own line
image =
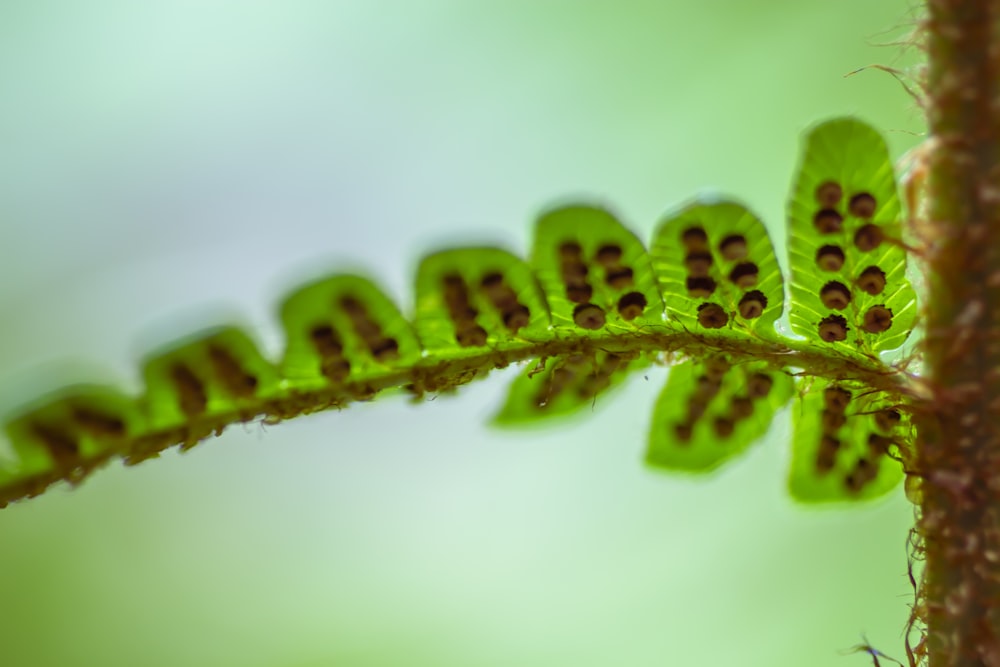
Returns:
<point x="590" y="307"/>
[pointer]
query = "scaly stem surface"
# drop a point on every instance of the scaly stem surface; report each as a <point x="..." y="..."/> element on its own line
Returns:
<point x="959" y="452"/>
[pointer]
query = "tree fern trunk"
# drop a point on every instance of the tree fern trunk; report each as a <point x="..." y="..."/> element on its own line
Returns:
<point x="959" y="456"/>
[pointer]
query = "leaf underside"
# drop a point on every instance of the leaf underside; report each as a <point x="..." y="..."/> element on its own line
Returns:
<point x="710" y="411"/>
<point x="590" y="307"/>
<point x="846" y="442"/>
<point x="847" y="264"/>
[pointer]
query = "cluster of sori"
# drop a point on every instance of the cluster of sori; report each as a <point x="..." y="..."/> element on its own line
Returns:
<point x="591" y="305"/>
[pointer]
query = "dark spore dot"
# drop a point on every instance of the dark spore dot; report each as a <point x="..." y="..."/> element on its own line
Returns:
<point x="712" y="316"/>
<point x="619" y="278"/>
<point x="868" y="237"/>
<point x="466" y="313"/>
<point x="612" y="362"/>
<point x="698" y="263"/>
<point x="592" y="385"/>
<point x="579" y="293"/>
<point x="570" y="251"/>
<point x="683" y="432"/>
<point x="828" y="442"/>
<point x="609" y="255"/>
<point x="853" y="482"/>
<point x="500" y="295"/>
<point x="872" y="280"/>
<point x="456" y="296"/>
<point x="98" y="424"/>
<point x="325" y="340"/>
<point x="833" y="328"/>
<point x="741" y="407"/>
<point x="517" y="317"/>
<point x="631" y="305"/>
<point x="492" y="279"/>
<point x="829" y="193"/>
<point x="835" y="295"/>
<point x="862" y="205"/>
<point x="707" y="386"/>
<point x="573" y="273"/>
<point x="825" y="460"/>
<point x="877" y="319"/>
<point x="832" y="421"/>
<point x="230" y="374"/>
<point x="367" y="328"/>
<point x="836" y="399"/>
<point x="878" y="445"/>
<point x="886" y="420"/>
<point x="700" y="288"/>
<point x="826" y="456"/>
<point x="830" y="258"/>
<point x="190" y="391"/>
<point x="453" y="281"/>
<point x="759" y="385"/>
<point x="733" y="247"/>
<point x="352" y="307"/>
<point x="362" y="322"/>
<point x="558" y="381"/>
<point x="61" y="446"/>
<point x="716" y="367"/>
<point x="470" y="334"/>
<point x="744" y="275"/>
<point x="723" y="426"/>
<point x="504" y="299"/>
<point x="828" y="221"/>
<point x="694" y="238"/>
<point x="752" y="305"/>
<point x="332" y="364"/>
<point x="696" y="408"/>
<point x="335" y="368"/>
<point x="589" y="316"/>
<point x="384" y="349"/>
<point x="864" y="472"/>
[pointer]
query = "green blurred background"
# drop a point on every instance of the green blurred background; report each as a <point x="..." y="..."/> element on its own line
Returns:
<point x="168" y="163"/>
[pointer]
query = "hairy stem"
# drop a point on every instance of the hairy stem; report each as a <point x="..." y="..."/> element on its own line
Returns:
<point x="434" y="377"/>
<point x="959" y="452"/>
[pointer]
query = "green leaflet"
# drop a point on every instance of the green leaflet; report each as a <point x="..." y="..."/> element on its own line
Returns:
<point x="84" y="421"/>
<point x="849" y="291"/>
<point x="844" y="441"/>
<point x="475" y="299"/>
<point x="564" y="386"/>
<point x="710" y="411"/>
<point x="598" y="279"/>
<point x="717" y="270"/>
<point x="341" y="330"/>
<point x="595" y="274"/>
<point x="209" y="375"/>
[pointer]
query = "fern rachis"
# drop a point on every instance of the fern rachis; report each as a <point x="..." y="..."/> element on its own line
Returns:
<point x="402" y="295"/>
<point x="590" y="304"/>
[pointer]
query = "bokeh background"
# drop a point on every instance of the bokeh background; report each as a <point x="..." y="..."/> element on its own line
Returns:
<point x="172" y="164"/>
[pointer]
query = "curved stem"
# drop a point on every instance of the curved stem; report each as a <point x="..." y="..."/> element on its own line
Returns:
<point x="434" y="375"/>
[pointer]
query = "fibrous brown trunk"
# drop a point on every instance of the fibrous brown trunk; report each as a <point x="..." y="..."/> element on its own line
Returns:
<point x="958" y="459"/>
